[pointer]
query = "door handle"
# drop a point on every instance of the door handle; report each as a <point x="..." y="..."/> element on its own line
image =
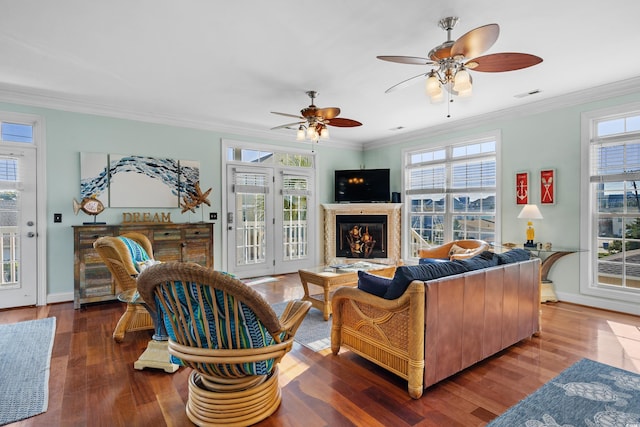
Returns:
<point x="31" y="234"/>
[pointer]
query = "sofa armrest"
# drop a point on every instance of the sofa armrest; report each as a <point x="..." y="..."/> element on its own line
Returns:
<point x="389" y="333"/>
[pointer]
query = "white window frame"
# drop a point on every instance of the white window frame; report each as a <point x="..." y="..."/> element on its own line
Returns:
<point x="589" y="230"/>
<point x="406" y="225"/>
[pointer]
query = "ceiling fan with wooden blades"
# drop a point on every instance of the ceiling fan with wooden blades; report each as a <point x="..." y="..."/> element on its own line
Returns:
<point x="450" y="60"/>
<point x="313" y="121"/>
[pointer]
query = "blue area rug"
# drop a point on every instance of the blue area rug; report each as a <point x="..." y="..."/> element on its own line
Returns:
<point x="25" y="359"/>
<point x="587" y="394"/>
<point x="314" y="332"/>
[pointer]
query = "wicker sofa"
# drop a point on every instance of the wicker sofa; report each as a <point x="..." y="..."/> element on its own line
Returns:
<point x="439" y="327"/>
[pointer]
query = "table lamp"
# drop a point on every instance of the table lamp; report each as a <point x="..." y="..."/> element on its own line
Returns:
<point x="530" y="212"/>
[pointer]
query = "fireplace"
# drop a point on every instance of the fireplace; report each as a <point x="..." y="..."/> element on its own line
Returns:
<point x="371" y="229"/>
<point x="361" y="236"/>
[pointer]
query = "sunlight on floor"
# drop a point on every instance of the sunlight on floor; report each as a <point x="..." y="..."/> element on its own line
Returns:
<point x="290" y="368"/>
<point x="629" y="338"/>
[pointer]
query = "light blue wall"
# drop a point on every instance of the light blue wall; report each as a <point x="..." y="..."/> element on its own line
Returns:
<point x="546" y="140"/>
<point x="68" y="134"/>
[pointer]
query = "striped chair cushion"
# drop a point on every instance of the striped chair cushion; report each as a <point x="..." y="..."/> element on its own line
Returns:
<point x="252" y="334"/>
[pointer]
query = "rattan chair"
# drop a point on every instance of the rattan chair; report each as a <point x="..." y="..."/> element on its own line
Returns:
<point x="463" y="249"/>
<point x="228" y="334"/>
<point x="117" y="257"/>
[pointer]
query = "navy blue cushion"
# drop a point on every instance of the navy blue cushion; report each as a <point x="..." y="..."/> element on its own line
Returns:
<point x="478" y="262"/>
<point x="487" y="255"/>
<point x="514" y="255"/>
<point x="405" y="274"/>
<point x="376" y="285"/>
<point x="432" y="260"/>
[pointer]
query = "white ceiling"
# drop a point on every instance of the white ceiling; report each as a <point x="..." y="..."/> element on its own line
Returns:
<point x="226" y="65"/>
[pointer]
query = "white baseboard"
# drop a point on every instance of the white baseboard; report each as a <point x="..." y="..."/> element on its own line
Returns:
<point x="61" y="297"/>
<point x="623" y="307"/>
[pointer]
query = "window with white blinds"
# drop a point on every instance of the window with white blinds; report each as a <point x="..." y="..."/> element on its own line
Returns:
<point x="615" y="193"/>
<point x="249" y="182"/>
<point x="451" y="193"/>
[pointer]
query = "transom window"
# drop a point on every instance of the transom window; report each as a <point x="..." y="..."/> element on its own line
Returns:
<point x="15" y="132"/>
<point x="248" y="155"/>
<point x="451" y="193"/>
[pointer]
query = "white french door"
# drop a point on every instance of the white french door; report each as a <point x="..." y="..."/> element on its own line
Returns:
<point x="268" y="220"/>
<point x="18" y="230"/>
<point x="250" y="220"/>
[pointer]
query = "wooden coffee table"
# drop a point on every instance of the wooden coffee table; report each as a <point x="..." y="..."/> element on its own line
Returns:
<point x="329" y="278"/>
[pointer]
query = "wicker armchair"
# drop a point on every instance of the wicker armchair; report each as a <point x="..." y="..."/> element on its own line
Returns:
<point x="468" y="248"/>
<point x="228" y="334"/>
<point x="115" y="253"/>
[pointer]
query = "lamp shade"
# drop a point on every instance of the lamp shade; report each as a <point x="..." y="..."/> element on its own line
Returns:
<point x="433" y="85"/>
<point x="530" y="212"/>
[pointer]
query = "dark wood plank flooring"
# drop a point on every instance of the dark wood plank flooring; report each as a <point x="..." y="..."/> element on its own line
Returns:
<point x="93" y="382"/>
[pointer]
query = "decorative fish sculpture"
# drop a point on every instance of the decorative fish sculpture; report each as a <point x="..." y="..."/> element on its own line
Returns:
<point x="88" y="205"/>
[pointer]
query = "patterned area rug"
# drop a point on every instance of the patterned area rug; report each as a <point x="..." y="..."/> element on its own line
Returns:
<point x="25" y="359"/>
<point x="588" y="394"/>
<point x="314" y="332"/>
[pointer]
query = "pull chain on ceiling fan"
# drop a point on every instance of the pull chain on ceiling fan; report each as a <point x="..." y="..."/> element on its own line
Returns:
<point x="314" y="121"/>
<point x="451" y="60"/>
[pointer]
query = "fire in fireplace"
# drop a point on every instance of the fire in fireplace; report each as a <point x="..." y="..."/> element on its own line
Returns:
<point x="361" y="236"/>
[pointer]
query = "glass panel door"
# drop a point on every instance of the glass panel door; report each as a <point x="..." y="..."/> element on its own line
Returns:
<point x="250" y="221"/>
<point x="18" y="241"/>
<point x="294" y="219"/>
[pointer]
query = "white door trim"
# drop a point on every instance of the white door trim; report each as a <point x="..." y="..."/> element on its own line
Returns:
<point x="39" y="139"/>
<point x="314" y="229"/>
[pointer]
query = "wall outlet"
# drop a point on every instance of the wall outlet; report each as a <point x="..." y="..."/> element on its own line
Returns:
<point x="57" y="217"/>
<point x="213" y="216"/>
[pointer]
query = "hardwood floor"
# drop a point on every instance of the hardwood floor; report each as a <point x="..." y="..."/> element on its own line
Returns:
<point x="93" y="382"/>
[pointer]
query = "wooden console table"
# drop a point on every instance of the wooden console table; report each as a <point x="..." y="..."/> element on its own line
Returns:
<point x="170" y="242"/>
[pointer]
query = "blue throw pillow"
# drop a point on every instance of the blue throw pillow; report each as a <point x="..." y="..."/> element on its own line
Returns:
<point x="514" y="255"/>
<point x="376" y="285"/>
<point x="478" y="262"/>
<point x="487" y="255"/>
<point x="405" y="274"/>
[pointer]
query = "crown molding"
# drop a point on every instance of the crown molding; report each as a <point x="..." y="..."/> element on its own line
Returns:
<point x="598" y="93"/>
<point x="55" y="101"/>
<point x="46" y="99"/>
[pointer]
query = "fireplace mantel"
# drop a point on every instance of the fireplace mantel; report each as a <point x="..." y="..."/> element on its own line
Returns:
<point x="391" y="210"/>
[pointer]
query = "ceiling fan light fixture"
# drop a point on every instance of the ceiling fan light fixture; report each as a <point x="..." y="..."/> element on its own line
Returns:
<point x="313" y="121"/>
<point x="466" y="92"/>
<point x="449" y="61"/>
<point x="437" y="98"/>
<point x="324" y="133"/>
<point x="311" y="131"/>
<point x="462" y="81"/>
<point x="433" y="86"/>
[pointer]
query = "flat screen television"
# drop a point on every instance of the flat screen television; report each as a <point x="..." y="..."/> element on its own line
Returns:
<point x="362" y="185"/>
